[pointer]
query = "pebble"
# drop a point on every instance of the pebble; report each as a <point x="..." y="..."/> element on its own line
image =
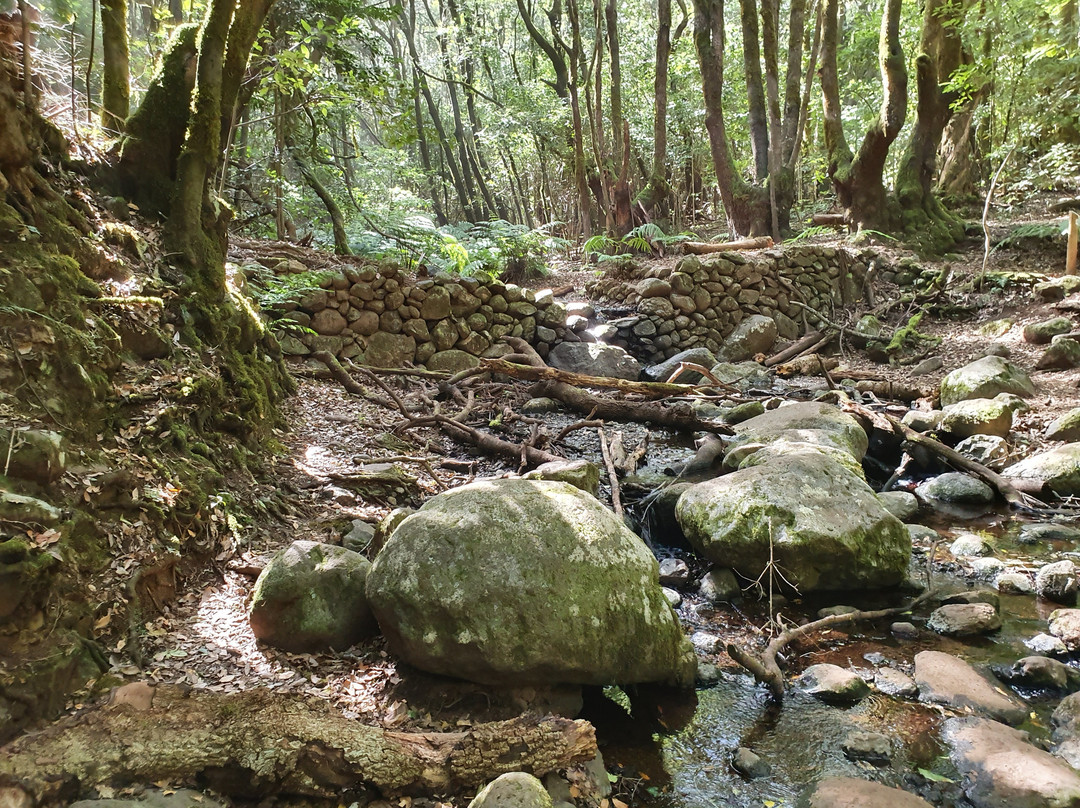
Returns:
<point x="749" y="763"/>
<point x="873" y="747"/>
<point x="674" y="572"/>
<point x="896" y="683"/>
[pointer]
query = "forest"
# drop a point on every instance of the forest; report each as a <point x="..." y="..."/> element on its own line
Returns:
<point x="437" y="403"/>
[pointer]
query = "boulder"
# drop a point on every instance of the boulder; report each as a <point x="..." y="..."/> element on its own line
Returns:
<point x="568" y="593"/>
<point x="579" y="473"/>
<point x="956" y="488"/>
<point x="976" y="416"/>
<point x="754" y="335"/>
<point x="990" y="450"/>
<point x="1066" y="718"/>
<point x="719" y="586"/>
<point x="901" y="504"/>
<point x="872" y="747"/>
<point x="971" y="544"/>
<point x="896" y="683"/>
<point x="1065" y="427"/>
<point x="1063" y="354"/>
<point x="1046" y="644"/>
<point x="1065" y="625"/>
<point x="1057" y="582"/>
<point x="742" y="375"/>
<point x="1057" y="468"/>
<point x="594" y="359"/>
<point x="389" y="350"/>
<point x="808" y="422"/>
<point x="945" y="679"/>
<point x="310" y="597"/>
<point x="851" y="792"/>
<point x="1039" y="672"/>
<point x="1037" y="532"/>
<point x="674" y="572"/>
<point x="513" y="790"/>
<point x="697" y="356"/>
<point x="33" y="454"/>
<point x="1002" y="768"/>
<point x="1014" y="583"/>
<point x="34" y="511"/>
<point x="328" y="322"/>
<point x="451" y="361"/>
<point x="824" y="526"/>
<point x="964" y="619"/>
<point x="833" y="684"/>
<point x="1043" y="331"/>
<point x="985" y="378"/>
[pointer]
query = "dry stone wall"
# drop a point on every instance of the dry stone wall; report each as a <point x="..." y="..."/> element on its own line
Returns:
<point x="701" y="300"/>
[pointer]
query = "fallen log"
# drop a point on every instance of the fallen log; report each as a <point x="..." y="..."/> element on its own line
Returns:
<point x="256" y="743"/>
<point x="811" y="342"/>
<point x="485" y="442"/>
<point x="829" y="219"/>
<point x="535" y="373"/>
<point x="705" y="247"/>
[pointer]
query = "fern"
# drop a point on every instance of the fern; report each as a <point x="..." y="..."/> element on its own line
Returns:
<point x="1034" y="231"/>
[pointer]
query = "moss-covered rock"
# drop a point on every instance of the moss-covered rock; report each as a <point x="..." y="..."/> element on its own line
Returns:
<point x="310" y="597"/>
<point x="1063" y="354"/>
<point x="511" y="582"/>
<point x="808" y="422"/>
<point x="1065" y="427"/>
<point x="985" y="378"/>
<point x="1058" y="468"/>
<point x="823" y="526"/>
<point x="513" y="790"/>
<point x="976" y="416"/>
<point x="35" y="454"/>
<point x="1043" y="331"/>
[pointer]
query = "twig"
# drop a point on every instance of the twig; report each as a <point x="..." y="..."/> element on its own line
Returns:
<point x="986" y="213"/>
<point x="613" y="477"/>
<point x="10" y="449"/>
<point x="566" y="430"/>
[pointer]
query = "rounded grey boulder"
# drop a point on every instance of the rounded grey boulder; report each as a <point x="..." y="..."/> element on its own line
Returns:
<point x="521" y="582"/>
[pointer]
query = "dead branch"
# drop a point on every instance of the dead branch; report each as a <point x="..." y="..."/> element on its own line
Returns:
<point x="613" y="477"/>
<point x="704" y="247"/>
<point x="533" y="373"/>
<point x="488" y="444"/>
<point x="258" y="742"/>
<point x="345" y="379"/>
<point x="829" y="219"/>
<point x="807" y="344"/>
<point x="566" y="430"/>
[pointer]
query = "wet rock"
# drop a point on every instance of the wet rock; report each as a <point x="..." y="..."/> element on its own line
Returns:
<point x="1046" y="644"/>
<point x="850" y="792"/>
<point x="987" y="596"/>
<point x="673" y="597"/>
<point x="1039" y="672"/>
<point x="808" y="422"/>
<point x="1065" y="625"/>
<point x="579" y="473"/>
<point x="706" y="643"/>
<point x="986" y="568"/>
<point x="513" y="790"/>
<point x="359" y="537"/>
<point x="1014" y="583"/>
<point x="946" y="679"/>
<point x="697" y="356"/>
<point x="977" y="416"/>
<point x="674" y="572"/>
<point x="904" y="630"/>
<point x="1058" y="468"/>
<point x="749" y="764"/>
<point x="570" y="594"/>
<point x="985" y="378"/>
<point x="971" y="544"/>
<point x="965" y="619"/>
<point x="922" y="533"/>
<point x="754" y="335"/>
<point x="823" y="525"/>
<point x="1001" y="768"/>
<point x="1047" y="531"/>
<point x="922" y="420"/>
<point x="558" y="788"/>
<point x="1063" y="354"/>
<point x="833" y="684"/>
<point x="901" y="504"/>
<point x="1066" y="427"/>
<point x="1057" y="582"/>
<point x="707" y="674"/>
<point x="1043" y="331"/>
<point x="744" y="412"/>
<point x="957" y="488"/>
<point x="719" y="586"/>
<point x="896" y="683"/>
<point x="872" y="747"/>
<point x="830" y="611"/>
<point x="594" y="359"/>
<point x="990" y="450"/>
<point x="310" y="597"/>
<point x="1066" y="718"/>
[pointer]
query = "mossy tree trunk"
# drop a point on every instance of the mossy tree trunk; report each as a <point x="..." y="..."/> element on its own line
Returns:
<point x="942" y="52"/>
<point x="657" y="195"/>
<point x="116" y="85"/>
<point x="859" y="178"/>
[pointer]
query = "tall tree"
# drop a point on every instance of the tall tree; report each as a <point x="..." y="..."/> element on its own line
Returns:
<point x="115" y="84"/>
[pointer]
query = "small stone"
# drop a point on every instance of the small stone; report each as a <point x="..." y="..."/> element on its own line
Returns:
<point x="1014" y="583"/>
<point x="1057" y="582"/>
<point x="749" y="764"/>
<point x="964" y="619"/>
<point x="896" y="683"/>
<point x="970" y="544"/>
<point x="539" y="406"/>
<point x="719" y="586"/>
<point x="674" y="572"/>
<point x="904" y="630"/>
<point x="673" y="597"/>
<point x="1046" y="644"/>
<point x="833" y="684"/>
<point x="873" y="747"/>
<point x="706" y="643"/>
<point x="922" y="533"/>
<point x="359" y="537"/>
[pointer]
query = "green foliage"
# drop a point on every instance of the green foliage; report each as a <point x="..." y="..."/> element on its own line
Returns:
<point x="642" y="239"/>
<point x="1034" y="231"/>
<point x="270" y="290"/>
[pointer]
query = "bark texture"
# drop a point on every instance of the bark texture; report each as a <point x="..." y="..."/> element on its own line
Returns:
<point x="115" y="84"/>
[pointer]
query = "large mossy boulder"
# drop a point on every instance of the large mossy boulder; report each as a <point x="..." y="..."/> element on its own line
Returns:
<point x="523" y="582"/>
<point x="1058" y="469"/>
<point x="310" y="597"/>
<point x="985" y="378"/>
<point x="821" y="523"/>
<point x="977" y="416"/>
<point x="808" y="422"/>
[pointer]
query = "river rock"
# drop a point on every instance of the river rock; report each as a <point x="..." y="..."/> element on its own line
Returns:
<point x="1014" y="583"/>
<point x="754" y="335"/>
<point x="151" y="798"/>
<point x="945" y="679"/>
<point x="833" y="684"/>
<point x="896" y="683"/>
<point x="674" y="572"/>
<point x="824" y="526"/>
<point x="1043" y="331"/>
<point x="1039" y="672"/>
<point x="990" y="450"/>
<point x="1037" y="532"/>
<point x="749" y="764"/>
<point x="594" y="359"/>
<point x="851" y="792"/>
<point x="569" y="593"/>
<point x="957" y="488"/>
<point x="901" y="504"/>
<point x="1046" y="644"/>
<point x="1065" y="625"/>
<point x="808" y="422"/>
<point x="976" y="416"/>
<point x="985" y="378"/>
<point x="872" y="747"/>
<point x="1058" y="468"/>
<point x="1057" y="582"/>
<point x="579" y="473"/>
<point x="359" y="537"/>
<point x="965" y="619"/>
<point x="1063" y="354"/>
<point x="971" y="544"/>
<point x="1066" y="718"/>
<point x="1001" y="768"/>
<point x="719" y="586"/>
<point x="905" y="630"/>
<point x="697" y="356"/>
<point x="389" y="350"/>
<point x="922" y="420"/>
<point x="310" y="597"/>
<point x="1066" y="427"/>
<point x="513" y="790"/>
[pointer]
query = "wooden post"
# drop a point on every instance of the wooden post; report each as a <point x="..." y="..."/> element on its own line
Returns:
<point x="1070" y="253"/>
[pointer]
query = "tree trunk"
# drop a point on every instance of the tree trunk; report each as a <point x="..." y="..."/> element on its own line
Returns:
<point x="657" y="197"/>
<point x="425" y="154"/>
<point x="747" y="206"/>
<point x="581" y="181"/>
<point x="115" y="84"/>
<point x="859" y="179"/>
<point x="257" y="743"/>
<point x="757" y="118"/>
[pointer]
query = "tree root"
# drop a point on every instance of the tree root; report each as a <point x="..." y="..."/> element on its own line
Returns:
<point x="257" y="742"/>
